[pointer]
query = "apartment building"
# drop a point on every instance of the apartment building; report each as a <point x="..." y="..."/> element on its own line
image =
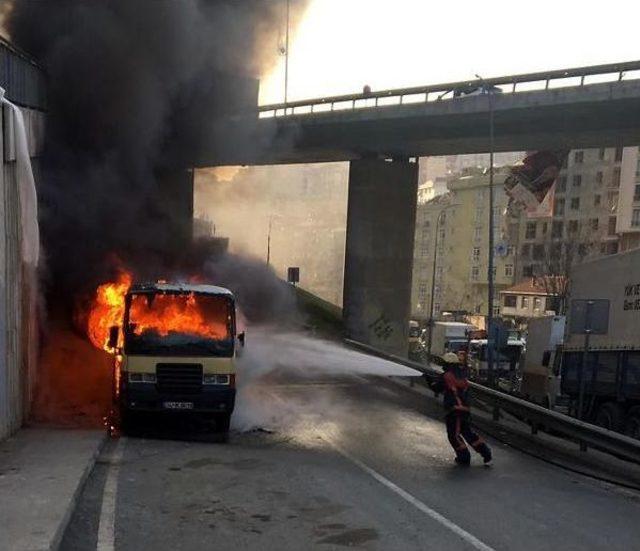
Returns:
<point x="454" y="228"/>
<point x="592" y="214"/>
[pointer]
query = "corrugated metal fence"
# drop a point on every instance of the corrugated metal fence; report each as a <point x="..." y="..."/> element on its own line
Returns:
<point x="24" y="85"/>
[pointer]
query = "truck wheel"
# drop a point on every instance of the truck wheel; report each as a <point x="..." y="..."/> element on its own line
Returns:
<point x="610" y="416"/>
<point x="222" y="422"/>
<point x="127" y="422"/>
<point x="632" y="426"/>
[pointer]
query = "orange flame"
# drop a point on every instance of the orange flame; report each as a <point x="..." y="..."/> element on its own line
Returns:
<point x="107" y="309"/>
<point x="165" y="314"/>
<point x="186" y="314"/>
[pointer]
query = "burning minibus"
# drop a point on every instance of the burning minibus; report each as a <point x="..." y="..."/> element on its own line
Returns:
<point x="176" y="351"/>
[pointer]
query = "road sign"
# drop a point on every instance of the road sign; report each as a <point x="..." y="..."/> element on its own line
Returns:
<point x="589" y="316"/>
<point x="502" y="249"/>
<point x="293" y="274"/>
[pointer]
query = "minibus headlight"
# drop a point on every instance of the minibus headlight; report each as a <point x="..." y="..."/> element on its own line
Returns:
<point x="142" y="377"/>
<point x="216" y="379"/>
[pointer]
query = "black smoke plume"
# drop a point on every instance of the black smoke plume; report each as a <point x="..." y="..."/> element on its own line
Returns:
<point x="134" y="87"/>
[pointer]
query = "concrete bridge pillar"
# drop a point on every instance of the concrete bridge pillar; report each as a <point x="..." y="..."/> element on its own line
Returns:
<point x="379" y="252"/>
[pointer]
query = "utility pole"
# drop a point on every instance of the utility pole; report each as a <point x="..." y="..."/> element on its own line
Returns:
<point x="490" y="278"/>
<point x="433" y="280"/>
<point x="269" y="241"/>
<point x="286" y="58"/>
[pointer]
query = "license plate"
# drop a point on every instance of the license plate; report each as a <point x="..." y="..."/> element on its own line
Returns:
<point x="177" y="405"/>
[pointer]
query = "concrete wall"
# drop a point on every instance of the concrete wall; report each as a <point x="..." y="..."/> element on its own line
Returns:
<point x="18" y="285"/>
<point x="379" y="252"/>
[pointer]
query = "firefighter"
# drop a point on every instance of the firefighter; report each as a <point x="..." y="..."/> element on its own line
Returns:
<point x="455" y="387"/>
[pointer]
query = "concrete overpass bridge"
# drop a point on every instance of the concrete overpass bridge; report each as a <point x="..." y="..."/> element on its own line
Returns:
<point x="383" y="133"/>
<point x="583" y="107"/>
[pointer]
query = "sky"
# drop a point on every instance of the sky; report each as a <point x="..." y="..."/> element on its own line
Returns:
<point x="341" y="45"/>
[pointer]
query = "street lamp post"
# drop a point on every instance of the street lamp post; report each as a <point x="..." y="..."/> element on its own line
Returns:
<point x="490" y="278"/>
<point x="433" y="280"/>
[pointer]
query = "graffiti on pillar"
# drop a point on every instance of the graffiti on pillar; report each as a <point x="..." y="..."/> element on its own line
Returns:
<point x="381" y="327"/>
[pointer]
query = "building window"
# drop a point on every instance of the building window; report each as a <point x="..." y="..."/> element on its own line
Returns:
<point x="476" y="254"/>
<point x="493" y="271"/>
<point x="615" y="180"/>
<point x="475" y="273"/>
<point x="437" y="292"/>
<point x="558" y="209"/>
<point x="530" y="232"/>
<point x="422" y="291"/>
<point x="612" y="200"/>
<point x="524" y="302"/>
<point x="557" y="229"/>
<point x="618" y="154"/>
<point x="477" y="234"/>
<point x="577" y="180"/>
<point x="424" y="250"/>
<point x="561" y="185"/>
<point x="525" y="251"/>
<point x="599" y="177"/>
<point x="611" y="229"/>
<point x="575" y="203"/>
<point x="572" y="227"/>
<point x="537" y="304"/>
<point x="545" y="227"/>
<point x="527" y="271"/>
<point x="597" y="199"/>
<point x="636" y="193"/>
<point x="479" y="213"/>
<point x="601" y="153"/>
<point x="612" y="248"/>
<point x="635" y="218"/>
<point x="436" y="308"/>
<point x="510" y="301"/>
<point x="439" y="271"/>
<point x="511" y="250"/>
<point x="508" y="268"/>
<point x="595" y="223"/>
<point x="496" y="311"/>
<point x="578" y="157"/>
<point x="538" y="252"/>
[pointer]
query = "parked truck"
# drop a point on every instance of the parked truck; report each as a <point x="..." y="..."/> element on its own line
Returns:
<point x="611" y="372"/>
<point x="540" y="368"/>
<point x="449" y="336"/>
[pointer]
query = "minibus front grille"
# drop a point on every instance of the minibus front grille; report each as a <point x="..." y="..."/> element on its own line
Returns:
<point x="179" y="378"/>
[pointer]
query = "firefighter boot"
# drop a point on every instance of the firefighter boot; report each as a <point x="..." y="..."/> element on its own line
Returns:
<point x="463" y="457"/>
<point x="485" y="452"/>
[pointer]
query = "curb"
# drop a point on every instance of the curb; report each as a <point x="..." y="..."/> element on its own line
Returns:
<point x="71" y="505"/>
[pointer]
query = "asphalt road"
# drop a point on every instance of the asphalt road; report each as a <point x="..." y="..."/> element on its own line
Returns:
<point x="351" y="461"/>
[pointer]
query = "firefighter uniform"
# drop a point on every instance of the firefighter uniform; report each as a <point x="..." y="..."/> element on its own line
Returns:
<point x="455" y="388"/>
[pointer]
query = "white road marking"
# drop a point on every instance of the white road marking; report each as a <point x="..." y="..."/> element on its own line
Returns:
<point x="107" y="526"/>
<point x="461" y="532"/>
<point x="449" y="524"/>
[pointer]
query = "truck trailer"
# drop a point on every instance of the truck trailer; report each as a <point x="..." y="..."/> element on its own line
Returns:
<point x="610" y="365"/>
<point x="449" y="336"/>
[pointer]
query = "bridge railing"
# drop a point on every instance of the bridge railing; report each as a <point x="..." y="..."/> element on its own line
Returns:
<point x="585" y="434"/>
<point x="579" y="76"/>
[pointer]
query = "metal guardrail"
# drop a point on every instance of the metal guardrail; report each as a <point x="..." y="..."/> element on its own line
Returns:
<point x="585" y="434"/>
<point x="579" y="76"/>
